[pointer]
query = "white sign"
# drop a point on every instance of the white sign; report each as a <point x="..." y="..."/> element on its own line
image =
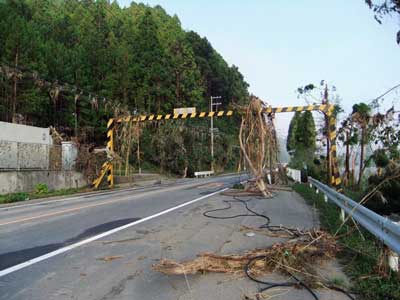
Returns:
<point x="184" y="110"/>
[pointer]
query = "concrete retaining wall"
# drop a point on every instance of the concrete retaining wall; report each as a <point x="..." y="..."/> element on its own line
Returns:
<point x="24" y="134"/>
<point x="25" y="181"/>
<point x="17" y="155"/>
<point x="25" y="147"/>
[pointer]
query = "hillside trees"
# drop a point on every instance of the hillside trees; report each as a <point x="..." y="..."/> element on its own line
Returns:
<point x="136" y="57"/>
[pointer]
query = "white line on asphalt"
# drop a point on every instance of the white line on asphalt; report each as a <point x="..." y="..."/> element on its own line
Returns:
<point x="99" y="236"/>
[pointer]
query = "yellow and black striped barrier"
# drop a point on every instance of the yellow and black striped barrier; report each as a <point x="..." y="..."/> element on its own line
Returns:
<point x="210" y="114"/>
<point x="336" y="180"/>
<point x="326" y="108"/>
<point x="107" y="168"/>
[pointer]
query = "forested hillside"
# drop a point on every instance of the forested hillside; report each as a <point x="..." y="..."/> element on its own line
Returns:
<point x="101" y="59"/>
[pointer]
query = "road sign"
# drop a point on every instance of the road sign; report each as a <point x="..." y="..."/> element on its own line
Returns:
<point x="184" y="110"/>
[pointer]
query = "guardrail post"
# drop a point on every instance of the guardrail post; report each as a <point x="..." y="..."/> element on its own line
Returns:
<point x="310" y="185"/>
<point x="393" y="258"/>
<point x="342" y="215"/>
<point x="384" y="230"/>
<point x="393" y="261"/>
<point x="317" y="191"/>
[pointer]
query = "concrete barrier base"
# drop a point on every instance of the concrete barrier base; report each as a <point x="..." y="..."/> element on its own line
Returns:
<point x="25" y="181"/>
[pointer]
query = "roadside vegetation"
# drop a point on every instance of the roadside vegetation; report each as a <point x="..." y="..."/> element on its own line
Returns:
<point x="41" y="191"/>
<point x="368" y="141"/>
<point x="361" y="253"/>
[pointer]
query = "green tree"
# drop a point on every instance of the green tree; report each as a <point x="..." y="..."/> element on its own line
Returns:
<point x="291" y="137"/>
<point x="303" y="144"/>
<point x="306" y="132"/>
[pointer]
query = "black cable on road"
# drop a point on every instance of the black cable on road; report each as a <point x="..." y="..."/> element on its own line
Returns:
<point x="244" y="202"/>
<point x="273" y="228"/>
<point x="271" y="285"/>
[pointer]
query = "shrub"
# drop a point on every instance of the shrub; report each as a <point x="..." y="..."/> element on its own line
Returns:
<point x="16" y="197"/>
<point x="41" y="188"/>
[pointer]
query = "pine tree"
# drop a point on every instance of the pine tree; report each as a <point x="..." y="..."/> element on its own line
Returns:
<point x="291" y="137"/>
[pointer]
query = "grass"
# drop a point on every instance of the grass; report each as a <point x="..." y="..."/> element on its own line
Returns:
<point x="360" y="254"/>
<point x="22" y="196"/>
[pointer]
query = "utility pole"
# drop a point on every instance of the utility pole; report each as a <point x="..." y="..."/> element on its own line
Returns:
<point x="212" y="128"/>
<point x="137" y="128"/>
<point x="328" y="146"/>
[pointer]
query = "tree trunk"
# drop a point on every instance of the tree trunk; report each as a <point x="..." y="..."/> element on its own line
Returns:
<point x="185" y="172"/>
<point x="128" y="149"/>
<point x="138" y="149"/>
<point x="361" y="157"/>
<point x="328" y="154"/>
<point x="14" y="95"/>
<point x="178" y="88"/>
<point x="347" y="162"/>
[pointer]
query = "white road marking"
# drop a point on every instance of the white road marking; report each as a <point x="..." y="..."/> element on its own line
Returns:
<point x="99" y="236"/>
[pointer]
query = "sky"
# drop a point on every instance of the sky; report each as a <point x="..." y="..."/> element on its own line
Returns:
<point x="280" y="45"/>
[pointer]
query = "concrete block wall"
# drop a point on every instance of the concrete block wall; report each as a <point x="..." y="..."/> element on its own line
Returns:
<point x="27" y="157"/>
<point x="25" y="181"/>
<point x="24" y="147"/>
<point x="17" y="155"/>
<point x="8" y="155"/>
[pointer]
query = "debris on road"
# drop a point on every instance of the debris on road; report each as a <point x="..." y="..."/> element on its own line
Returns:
<point x="121" y="241"/>
<point x="289" y="257"/>
<point x="110" y="258"/>
<point x="299" y="258"/>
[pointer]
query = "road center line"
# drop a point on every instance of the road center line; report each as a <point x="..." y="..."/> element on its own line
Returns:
<point x="60" y="212"/>
<point x="99" y="236"/>
<point x="68" y="210"/>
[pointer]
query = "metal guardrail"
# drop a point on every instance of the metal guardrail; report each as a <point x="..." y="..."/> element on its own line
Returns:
<point x="383" y="228"/>
<point x="203" y="173"/>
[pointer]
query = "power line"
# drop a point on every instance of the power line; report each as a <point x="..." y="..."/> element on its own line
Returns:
<point x="385" y="93"/>
<point x="42" y="81"/>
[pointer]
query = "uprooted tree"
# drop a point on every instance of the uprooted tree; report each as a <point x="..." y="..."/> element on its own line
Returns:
<point x="258" y="142"/>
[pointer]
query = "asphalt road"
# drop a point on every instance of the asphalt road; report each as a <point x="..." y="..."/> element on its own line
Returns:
<point x="102" y="246"/>
<point x="35" y="237"/>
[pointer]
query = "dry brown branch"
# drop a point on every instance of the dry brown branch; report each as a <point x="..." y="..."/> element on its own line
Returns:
<point x="284" y="257"/>
<point x="110" y="258"/>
